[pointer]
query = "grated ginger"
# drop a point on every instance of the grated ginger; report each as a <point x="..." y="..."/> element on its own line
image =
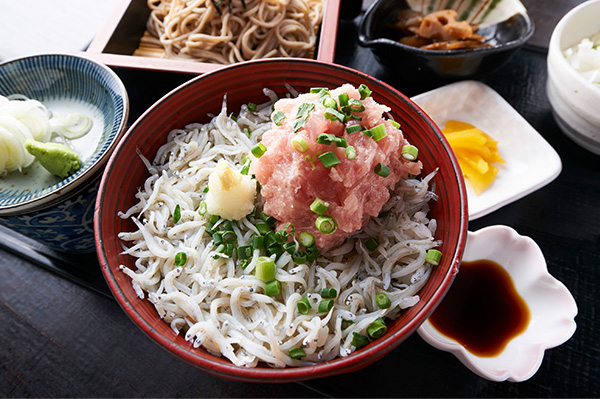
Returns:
<point x="476" y="152"/>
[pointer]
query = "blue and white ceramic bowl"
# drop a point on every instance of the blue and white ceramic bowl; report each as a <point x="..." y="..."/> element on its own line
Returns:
<point x="59" y="212"/>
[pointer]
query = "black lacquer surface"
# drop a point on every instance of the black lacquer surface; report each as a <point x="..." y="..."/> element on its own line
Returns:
<point x="62" y="334"/>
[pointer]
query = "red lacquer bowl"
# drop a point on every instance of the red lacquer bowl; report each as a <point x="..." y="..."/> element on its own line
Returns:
<point x="191" y="102"/>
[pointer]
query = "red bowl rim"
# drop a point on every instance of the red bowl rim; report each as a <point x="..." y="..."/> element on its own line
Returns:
<point x="359" y="359"/>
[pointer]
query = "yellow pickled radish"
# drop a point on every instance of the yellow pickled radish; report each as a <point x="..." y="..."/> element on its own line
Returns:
<point x="475" y="151"/>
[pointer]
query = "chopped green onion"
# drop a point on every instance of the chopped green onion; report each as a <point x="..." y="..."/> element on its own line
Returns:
<point x="258" y="150"/>
<point x="176" y="214"/>
<point x="334" y="115"/>
<point x="364" y="91"/>
<point x="312" y="254"/>
<point x="180" y="258"/>
<point x="299" y="144"/>
<point x="319" y="206"/>
<point x="263" y="228"/>
<point x="220" y="249"/>
<point x="258" y="242"/>
<point x="244" y="263"/>
<point x="329" y="102"/>
<point x="382" y="300"/>
<point x="343" y="99"/>
<point x="433" y="257"/>
<point x="233" y="117"/>
<point x="356" y="106"/>
<point x="359" y="340"/>
<point x="277" y="117"/>
<point x="217" y="238"/>
<point x="229" y="235"/>
<point x="368" y="132"/>
<point x="271" y="239"/>
<point x="325" y="305"/>
<point x="379" y="132"/>
<point x="302" y="114"/>
<point x="299" y="258"/>
<point x="265" y="269"/>
<point x="205" y="190"/>
<point x="382" y="170"/>
<point x="303" y="305"/>
<point x="244" y="251"/>
<point x="306" y="239"/>
<point x="329" y="159"/>
<point x="377" y="328"/>
<point x="321" y="91"/>
<point x="273" y="288"/>
<point x="270" y="220"/>
<point x="276" y="250"/>
<point x="328" y="293"/>
<point x="246" y="167"/>
<point x="202" y="208"/>
<point x="247" y="131"/>
<point x="371" y="244"/>
<point x="296" y="353"/>
<point x="252" y="107"/>
<point x="290" y="247"/>
<point x="326" y="138"/>
<point x="410" y="152"/>
<point x="326" y="224"/>
<point x="354" y="128"/>
<point x="350" y="152"/>
<point x="394" y="123"/>
<point x="229" y="249"/>
<point x="346" y="324"/>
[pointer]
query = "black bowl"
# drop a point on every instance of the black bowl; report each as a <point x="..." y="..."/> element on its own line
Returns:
<point x="375" y="32"/>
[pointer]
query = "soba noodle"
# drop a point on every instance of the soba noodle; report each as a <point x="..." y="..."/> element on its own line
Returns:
<point x="229" y="31"/>
<point x="224" y="308"/>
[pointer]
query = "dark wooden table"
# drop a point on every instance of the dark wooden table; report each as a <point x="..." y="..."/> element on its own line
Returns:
<point x="62" y="334"/>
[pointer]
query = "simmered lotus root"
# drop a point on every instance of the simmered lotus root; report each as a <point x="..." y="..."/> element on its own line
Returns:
<point x="443" y="26"/>
<point x="475" y="151"/>
<point x="439" y="30"/>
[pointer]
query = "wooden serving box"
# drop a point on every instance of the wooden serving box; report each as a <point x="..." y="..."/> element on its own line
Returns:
<point x="116" y="42"/>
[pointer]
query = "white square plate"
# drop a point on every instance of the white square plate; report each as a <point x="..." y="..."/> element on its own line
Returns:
<point x="531" y="162"/>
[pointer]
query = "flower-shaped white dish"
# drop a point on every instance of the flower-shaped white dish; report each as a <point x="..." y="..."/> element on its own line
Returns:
<point x="531" y="162"/>
<point x="552" y="308"/>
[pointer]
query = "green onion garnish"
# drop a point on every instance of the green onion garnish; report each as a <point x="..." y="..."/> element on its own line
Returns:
<point x="205" y="190"/>
<point x="354" y="128"/>
<point x="321" y="91"/>
<point x="270" y="220"/>
<point x="326" y="224"/>
<point x="247" y="131"/>
<point x="244" y="251"/>
<point x="299" y="144"/>
<point x="382" y="300"/>
<point x="202" y="208"/>
<point x="329" y="102"/>
<point x="343" y="99"/>
<point x="303" y="305"/>
<point x="356" y="106"/>
<point x="326" y="138"/>
<point x="180" y="259"/>
<point x="359" y="340"/>
<point x="258" y="150"/>
<point x="433" y="257"/>
<point x="299" y="258"/>
<point x="302" y="114"/>
<point x="277" y="117"/>
<point x="273" y="288"/>
<point x="176" y="214"/>
<point x="334" y="115"/>
<point x="410" y="152"/>
<point x="394" y="123"/>
<point x="377" y="328"/>
<point x="379" y="132"/>
<point x="371" y="244"/>
<point x="306" y="239"/>
<point x="258" y="242"/>
<point x="350" y="152"/>
<point x="328" y="293"/>
<point x="319" y="206"/>
<point x="252" y="107"/>
<point x="290" y="247"/>
<point x="364" y="91"/>
<point x="296" y="353"/>
<point x="325" y="305"/>
<point x="329" y="159"/>
<point x="265" y="269"/>
<point x="382" y="170"/>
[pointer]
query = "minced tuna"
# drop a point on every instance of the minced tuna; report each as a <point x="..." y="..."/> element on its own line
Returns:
<point x="291" y="178"/>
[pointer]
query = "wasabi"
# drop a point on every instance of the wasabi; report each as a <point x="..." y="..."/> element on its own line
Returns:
<point x="56" y="158"/>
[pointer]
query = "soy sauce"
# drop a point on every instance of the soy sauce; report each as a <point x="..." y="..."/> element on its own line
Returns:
<point x="482" y="310"/>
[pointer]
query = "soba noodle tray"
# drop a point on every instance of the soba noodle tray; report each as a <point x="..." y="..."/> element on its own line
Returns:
<point x="288" y="234"/>
<point x="229" y="31"/>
